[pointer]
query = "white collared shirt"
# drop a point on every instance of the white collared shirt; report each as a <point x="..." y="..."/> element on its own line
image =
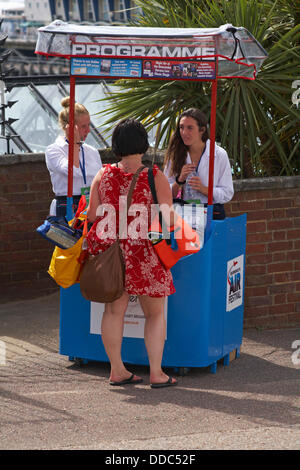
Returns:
<point x="223" y="186"/>
<point x="56" y="156"/>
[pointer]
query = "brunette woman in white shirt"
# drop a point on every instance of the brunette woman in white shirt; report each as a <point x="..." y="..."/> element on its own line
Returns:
<point x="187" y="163"/>
<point x="87" y="161"/>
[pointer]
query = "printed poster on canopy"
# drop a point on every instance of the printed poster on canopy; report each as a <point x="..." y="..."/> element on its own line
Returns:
<point x="137" y="68"/>
<point x="134" y="321"/>
<point x="106" y="67"/>
<point x="179" y="70"/>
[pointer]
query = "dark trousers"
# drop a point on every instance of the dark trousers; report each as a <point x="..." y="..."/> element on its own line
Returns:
<point x="61" y="205"/>
<point x="218" y="211"/>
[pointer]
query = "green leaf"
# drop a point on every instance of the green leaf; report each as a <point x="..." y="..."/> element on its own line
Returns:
<point x="256" y="120"/>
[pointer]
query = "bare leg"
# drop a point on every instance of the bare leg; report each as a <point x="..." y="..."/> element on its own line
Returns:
<point x="112" y="335"/>
<point x="154" y="334"/>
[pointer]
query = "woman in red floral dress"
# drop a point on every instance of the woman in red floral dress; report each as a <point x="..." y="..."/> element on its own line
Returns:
<point x="145" y="276"/>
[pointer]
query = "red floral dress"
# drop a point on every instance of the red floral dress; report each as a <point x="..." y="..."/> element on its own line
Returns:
<point x="144" y="273"/>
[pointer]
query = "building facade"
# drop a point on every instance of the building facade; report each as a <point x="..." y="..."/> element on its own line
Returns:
<point x="81" y="11"/>
<point x="37" y="11"/>
<point x="12" y="15"/>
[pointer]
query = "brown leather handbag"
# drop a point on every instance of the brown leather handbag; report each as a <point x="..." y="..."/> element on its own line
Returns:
<point x="103" y="275"/>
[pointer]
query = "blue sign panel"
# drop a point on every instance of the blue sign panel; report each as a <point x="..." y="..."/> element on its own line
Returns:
<point x="106" y="67"/>
<point x="137" y="68"/>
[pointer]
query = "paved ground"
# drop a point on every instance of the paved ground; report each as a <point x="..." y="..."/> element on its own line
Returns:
<point x="47" y="402"/>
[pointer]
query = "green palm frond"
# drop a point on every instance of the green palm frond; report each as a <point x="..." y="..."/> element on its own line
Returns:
<point x="256" y="120"/>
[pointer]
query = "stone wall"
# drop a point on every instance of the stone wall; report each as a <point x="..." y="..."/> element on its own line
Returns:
<point x="272" y="290"/>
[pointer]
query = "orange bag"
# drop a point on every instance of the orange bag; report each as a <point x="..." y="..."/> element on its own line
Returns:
<point x="170" y="246"/>
<point x="180" y="241"/>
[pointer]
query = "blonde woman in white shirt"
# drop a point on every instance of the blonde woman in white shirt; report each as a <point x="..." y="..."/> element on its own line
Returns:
<point x="87" y="161"/>
<point x="187" y="163"/>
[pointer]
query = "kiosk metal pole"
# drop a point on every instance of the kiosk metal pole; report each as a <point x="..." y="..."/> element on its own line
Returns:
<point x="71" y="149"/>
<point x="211" y="158"/>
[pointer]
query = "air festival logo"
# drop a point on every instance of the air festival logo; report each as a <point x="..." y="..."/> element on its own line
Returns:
<point x="235" y="277"/>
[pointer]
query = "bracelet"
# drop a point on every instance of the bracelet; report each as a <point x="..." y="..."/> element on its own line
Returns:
<point x="179" y="182"/>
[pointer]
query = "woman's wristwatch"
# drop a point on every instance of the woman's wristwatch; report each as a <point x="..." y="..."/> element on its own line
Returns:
<point x="179" y="182"/>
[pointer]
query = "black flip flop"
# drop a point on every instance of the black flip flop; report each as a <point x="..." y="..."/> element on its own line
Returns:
<point x="127" y="381"/>
<point x="168" y="383"/>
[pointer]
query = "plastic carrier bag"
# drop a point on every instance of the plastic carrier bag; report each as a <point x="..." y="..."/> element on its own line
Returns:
<point x="57" y="231"/>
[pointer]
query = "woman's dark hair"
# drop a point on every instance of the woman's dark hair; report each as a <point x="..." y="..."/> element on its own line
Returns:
<point x="176" y="152"/>
<point x="129" y="137"/>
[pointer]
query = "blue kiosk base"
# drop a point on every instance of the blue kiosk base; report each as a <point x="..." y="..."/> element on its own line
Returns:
<point x="204" y="316"/>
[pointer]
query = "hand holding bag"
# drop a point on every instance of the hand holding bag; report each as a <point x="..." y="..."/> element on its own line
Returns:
<point x="181" y="240"/>
<point x="103" y="275"/>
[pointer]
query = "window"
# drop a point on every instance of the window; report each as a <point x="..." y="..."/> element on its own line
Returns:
<point x="120" y="9"/>
<point x="106" y="14"/>
<point x="89" y="14"/>
<point x="37" y="113"/>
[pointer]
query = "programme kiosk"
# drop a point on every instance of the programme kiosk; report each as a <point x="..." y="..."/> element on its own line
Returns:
<point x="205" y="315"/>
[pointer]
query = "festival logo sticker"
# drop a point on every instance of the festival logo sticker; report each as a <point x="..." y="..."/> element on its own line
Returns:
<point x="235" y="277"/>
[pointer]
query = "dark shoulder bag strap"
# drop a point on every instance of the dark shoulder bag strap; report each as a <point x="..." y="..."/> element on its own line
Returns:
<point x="132" y="185"/>
<point x="154" y="195"/>
<point x="152" y="185"/>
<point x="129" y="196"/>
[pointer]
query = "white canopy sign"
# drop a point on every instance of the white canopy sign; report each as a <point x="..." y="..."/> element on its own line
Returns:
<point x="154" y="53"/>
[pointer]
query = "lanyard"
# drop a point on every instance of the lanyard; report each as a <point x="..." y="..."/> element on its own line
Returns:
<point x="82" y="165"/>
<point x="200" y="158"/>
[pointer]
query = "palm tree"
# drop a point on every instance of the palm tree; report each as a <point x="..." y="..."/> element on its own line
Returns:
<point x="256" y="120"/>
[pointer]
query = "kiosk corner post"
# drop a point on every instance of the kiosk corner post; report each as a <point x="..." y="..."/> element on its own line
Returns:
<point x="70" y="214"/>
<point x="211" y="158"/>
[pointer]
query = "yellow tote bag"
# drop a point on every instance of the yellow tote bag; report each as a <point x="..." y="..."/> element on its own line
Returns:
<point x="65" y="265"/>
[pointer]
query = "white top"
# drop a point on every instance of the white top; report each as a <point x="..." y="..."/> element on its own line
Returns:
<point x="57" y="163"/>
<point x="223" y="186"/>
<point x="56" y="156"/>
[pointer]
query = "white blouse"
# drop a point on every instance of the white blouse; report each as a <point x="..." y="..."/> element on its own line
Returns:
<point x="57" y="163"/>
<point x="56" y="156"/>
<point x="223" y="186"/>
